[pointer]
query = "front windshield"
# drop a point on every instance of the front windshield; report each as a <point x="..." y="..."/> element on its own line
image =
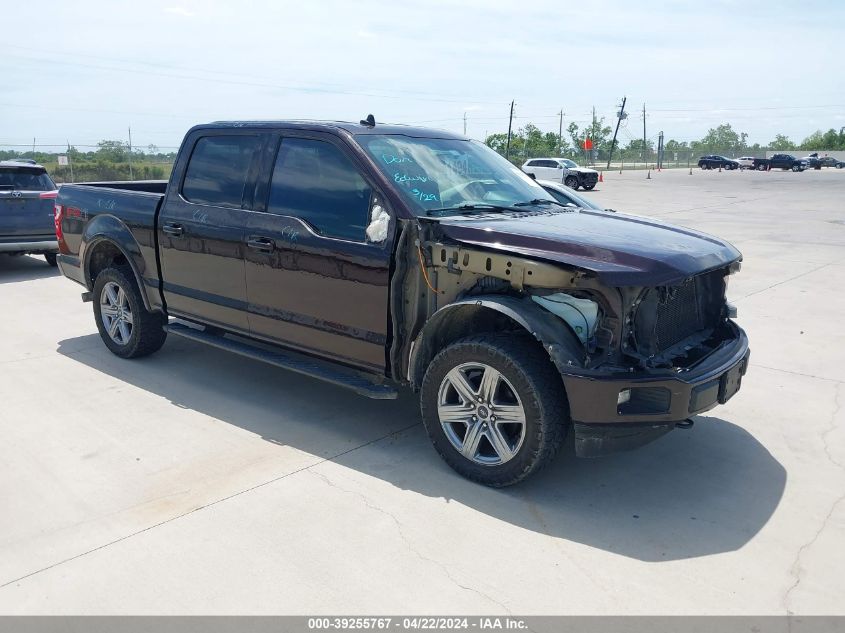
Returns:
<point x="568" y="163"/>
<point x="437" y="173"/>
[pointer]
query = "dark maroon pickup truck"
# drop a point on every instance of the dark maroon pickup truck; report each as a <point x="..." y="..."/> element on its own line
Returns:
<point x="375" y="257"/>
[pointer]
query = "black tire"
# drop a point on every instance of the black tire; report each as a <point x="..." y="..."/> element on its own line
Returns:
<point x="147" y="329"/>
<point x="761" y="167"/>
<point x="589" y="187"/>
<point x="526" y="368"/>
<point x="51" y="259"/>
<point x="840" y="165"/>
<point x="571" y="182"/>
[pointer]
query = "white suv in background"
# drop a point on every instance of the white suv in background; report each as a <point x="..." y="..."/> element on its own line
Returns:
<point x="561" y="170"/>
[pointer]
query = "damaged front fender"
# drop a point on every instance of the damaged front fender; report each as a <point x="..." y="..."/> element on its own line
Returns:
<point x="477" y="314"/>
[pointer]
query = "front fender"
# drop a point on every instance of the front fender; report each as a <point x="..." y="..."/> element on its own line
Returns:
<point x="557" y="339"/>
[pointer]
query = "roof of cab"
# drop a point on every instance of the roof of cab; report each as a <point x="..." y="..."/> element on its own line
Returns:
<point x="334" y="126"/>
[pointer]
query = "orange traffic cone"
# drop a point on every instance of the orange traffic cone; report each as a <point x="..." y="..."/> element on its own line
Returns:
<point x="601" y="176"/>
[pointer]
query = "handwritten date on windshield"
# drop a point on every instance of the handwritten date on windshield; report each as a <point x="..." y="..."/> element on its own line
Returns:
<point x="423" y="196"/>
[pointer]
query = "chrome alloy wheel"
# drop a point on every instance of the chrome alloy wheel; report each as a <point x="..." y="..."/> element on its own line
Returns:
<point x="481" y="414"/>
<point x="116" y="313"/>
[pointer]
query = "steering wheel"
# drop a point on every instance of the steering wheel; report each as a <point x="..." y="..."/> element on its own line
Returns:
<point x="472" y="190"/>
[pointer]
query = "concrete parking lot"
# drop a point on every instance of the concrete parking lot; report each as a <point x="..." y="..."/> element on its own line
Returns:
<point x="194" y="481"/>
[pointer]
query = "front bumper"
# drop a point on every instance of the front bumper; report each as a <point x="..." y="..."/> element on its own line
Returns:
<point x="588" y="178"/>
<point x="657" y="399"/>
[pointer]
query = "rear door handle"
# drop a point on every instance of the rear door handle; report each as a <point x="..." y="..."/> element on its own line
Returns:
<point x="262" y="244"/>
<point x="172" y="229"/>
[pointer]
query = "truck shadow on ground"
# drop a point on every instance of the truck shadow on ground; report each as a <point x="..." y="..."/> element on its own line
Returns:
<point x="691" y="493"/>
<point x="24" y="268"/>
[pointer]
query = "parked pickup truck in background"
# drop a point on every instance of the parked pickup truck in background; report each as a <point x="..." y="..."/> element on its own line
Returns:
<point x="780" y="161"/>
<point x="27" y="195"/>
<point x="375" y="257"/>
<point x="812" y="161"/>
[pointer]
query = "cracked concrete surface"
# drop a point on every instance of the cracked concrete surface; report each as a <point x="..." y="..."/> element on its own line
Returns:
<point x="198" y="482"/>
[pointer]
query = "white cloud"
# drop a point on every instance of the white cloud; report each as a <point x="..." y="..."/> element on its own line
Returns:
<point x="179" y="11"/>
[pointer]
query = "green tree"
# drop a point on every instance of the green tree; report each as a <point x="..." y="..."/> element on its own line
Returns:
<point x="634" y="149"/>
<point x="597" y="131"/>
<point x="723" y="138"/>
<point x="526" y="142"/>
<point x="782" y="143"/>
<point x="113" y="151"/>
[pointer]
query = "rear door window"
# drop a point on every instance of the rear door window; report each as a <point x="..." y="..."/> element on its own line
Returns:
<point x="316" y="182"/>
<point x="218" y="170"/>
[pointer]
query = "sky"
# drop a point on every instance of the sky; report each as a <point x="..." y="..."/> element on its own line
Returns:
<point x="84" y="71"/>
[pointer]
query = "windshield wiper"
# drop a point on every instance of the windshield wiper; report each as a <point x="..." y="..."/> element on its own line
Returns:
<point x="472" y="207"/>
<point x="537" y="202"/>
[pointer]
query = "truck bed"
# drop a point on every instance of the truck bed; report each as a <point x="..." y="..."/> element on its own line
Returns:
<point x="126" y="213"/>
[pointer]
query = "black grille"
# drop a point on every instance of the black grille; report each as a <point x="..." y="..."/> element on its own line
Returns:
<point x="678" y="315"/>
<point x="589" y="179"/>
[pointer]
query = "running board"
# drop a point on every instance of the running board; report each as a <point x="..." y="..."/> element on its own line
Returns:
<point x="290" y="361"/>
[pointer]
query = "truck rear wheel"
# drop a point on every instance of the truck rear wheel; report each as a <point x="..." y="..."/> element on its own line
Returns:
<point x="51" y="259"/>
<point x="125" y="326"/>
<point x="494" y="408"/>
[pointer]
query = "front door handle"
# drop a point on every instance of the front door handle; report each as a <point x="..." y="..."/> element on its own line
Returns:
<point x="261" y="244"/>
<point x="173" y="229"/>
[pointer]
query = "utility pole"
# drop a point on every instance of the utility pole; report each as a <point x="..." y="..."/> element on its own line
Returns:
<point x="660" y="150"/>
<point x="644" y="158"/>
<point x="560" y="134"/>
<point x="510" y="123"/>
<point x="619" y="116"/>
<point x="70" y="160"/>
<point x="33" y="147"/>
<point x="131" y="177"/>
<point x="465" y="123"/>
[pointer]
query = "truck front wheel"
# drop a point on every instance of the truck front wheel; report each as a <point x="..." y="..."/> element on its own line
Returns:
<point x="494" y="408"/>
<point x="571" y="182"/>
<point x="125" y="326"/>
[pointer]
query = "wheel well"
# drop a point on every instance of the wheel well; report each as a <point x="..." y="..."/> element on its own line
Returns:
<point x="105" y="255"/>
<point x="457" y="323"/>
